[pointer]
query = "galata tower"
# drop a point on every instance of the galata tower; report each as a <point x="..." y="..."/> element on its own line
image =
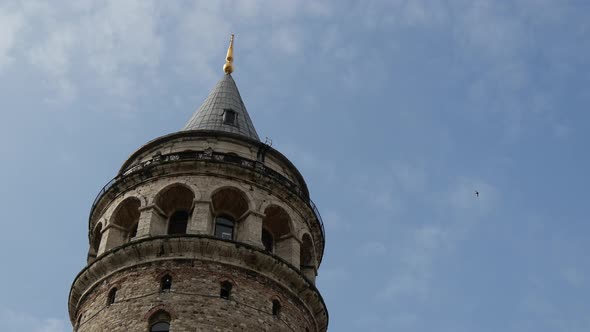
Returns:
<point x="205" y="229"/>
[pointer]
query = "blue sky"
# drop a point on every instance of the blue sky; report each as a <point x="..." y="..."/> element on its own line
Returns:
<point x="394" y="111"/>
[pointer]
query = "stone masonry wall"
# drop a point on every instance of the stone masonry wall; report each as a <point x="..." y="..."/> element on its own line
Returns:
<point x="193" y="301"/>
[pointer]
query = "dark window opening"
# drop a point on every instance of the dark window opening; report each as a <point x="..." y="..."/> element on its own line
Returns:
<point x="225" y="292"/>
<point x="267" y="240"/>
<point x="160" y="322"/>
<point x="166" y="283"/>
<point x="178" y="222"/>
<point x="133" y="231"/>
<point x="276" y="307"/>
<point x="112" y="296"/>
<point x="96" y="239"/>
<point x="160" y="327"/>
<point x="229" y="117"/>
<point x="224" y="228"/>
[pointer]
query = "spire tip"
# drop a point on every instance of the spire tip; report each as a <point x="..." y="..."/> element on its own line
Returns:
<point x="228" y="67"/>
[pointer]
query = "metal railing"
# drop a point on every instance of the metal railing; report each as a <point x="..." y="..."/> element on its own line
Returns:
<point x="210" y="156"/>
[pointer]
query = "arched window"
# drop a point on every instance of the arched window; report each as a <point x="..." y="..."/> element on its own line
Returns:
<point x="160" y="322"/>
<point x="126" y="216"/>
<point x="225" y="291"/>
<point x="166" y="283"/>
<point x="275" y="231"/>
<point x="178" y="222"/>
<point x="228" y="205"/>
<point x="276" y="307"/>
<point x="267" y="240"/>
<point x="176" y="203"/>
<point x="112" y="296"/>
<point x="224" y="227"/>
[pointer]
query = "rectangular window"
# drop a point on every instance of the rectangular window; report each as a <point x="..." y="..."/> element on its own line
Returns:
<point x="229" y="117"/>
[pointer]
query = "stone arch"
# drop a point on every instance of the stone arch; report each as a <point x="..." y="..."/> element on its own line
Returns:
<point x="159" y="318"/>
<point x="122" y="223"/>
<point x="229" y="206"/>
<point x="159" y="308"/>
<point x="176" y="202"/>
<point x="277" y="224"/>
<point x="225" y="277"/>
<point x="278" y="219"/>
<point x="160" y="275"/>
<point x="230" y="200"/>
<point x="126" y="217"/>
<point x="174" y="195"/>
<point x="294" y="215"/>
<point x="275" y="297"/>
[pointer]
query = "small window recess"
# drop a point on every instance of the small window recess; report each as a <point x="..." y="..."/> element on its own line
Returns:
<point x="276" y="307"/>
<point x="230" y="117"/>
<point x="166" y="283"/>
<point x="225" y="291"/>
<point x="112" y="296"/>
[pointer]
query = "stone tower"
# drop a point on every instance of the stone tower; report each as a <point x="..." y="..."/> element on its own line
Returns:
<point x="205" y="229"/>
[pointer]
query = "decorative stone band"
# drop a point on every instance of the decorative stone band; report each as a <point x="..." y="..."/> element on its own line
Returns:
<point x="198" y="247"/>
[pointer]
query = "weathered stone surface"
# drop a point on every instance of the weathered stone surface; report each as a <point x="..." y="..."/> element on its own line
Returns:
<point x="198" y="265"/>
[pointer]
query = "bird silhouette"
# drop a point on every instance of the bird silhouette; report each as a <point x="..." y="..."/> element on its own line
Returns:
<point x="476" y="193"/>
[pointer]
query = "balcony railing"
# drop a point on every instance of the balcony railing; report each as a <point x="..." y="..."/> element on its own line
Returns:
<point x="216" y="157"/>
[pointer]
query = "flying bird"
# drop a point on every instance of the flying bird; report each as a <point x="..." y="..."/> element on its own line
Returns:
<point x="476" y="193"/>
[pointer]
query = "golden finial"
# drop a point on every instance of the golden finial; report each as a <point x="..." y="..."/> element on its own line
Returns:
<point x="228" y="67"/>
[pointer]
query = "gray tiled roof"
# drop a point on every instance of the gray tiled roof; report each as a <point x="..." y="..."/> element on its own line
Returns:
<point x="225" y="96"/>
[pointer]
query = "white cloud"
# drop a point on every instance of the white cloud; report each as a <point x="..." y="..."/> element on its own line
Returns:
<point x="483" y="28"/>
<point x="85" y="43"/>
<point x="10" y="24"/>
<point x="23" y="322"/>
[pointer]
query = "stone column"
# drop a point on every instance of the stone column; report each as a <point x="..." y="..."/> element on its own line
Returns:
<point x="152" y="222"/>
<point x="200" y="222"/>
<point x="113" y="235"/>
<point x="250" y="229"/>
<point x="287" y="248"/>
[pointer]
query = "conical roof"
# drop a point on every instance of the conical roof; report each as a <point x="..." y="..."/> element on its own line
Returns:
<point x="223" y="110"/>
